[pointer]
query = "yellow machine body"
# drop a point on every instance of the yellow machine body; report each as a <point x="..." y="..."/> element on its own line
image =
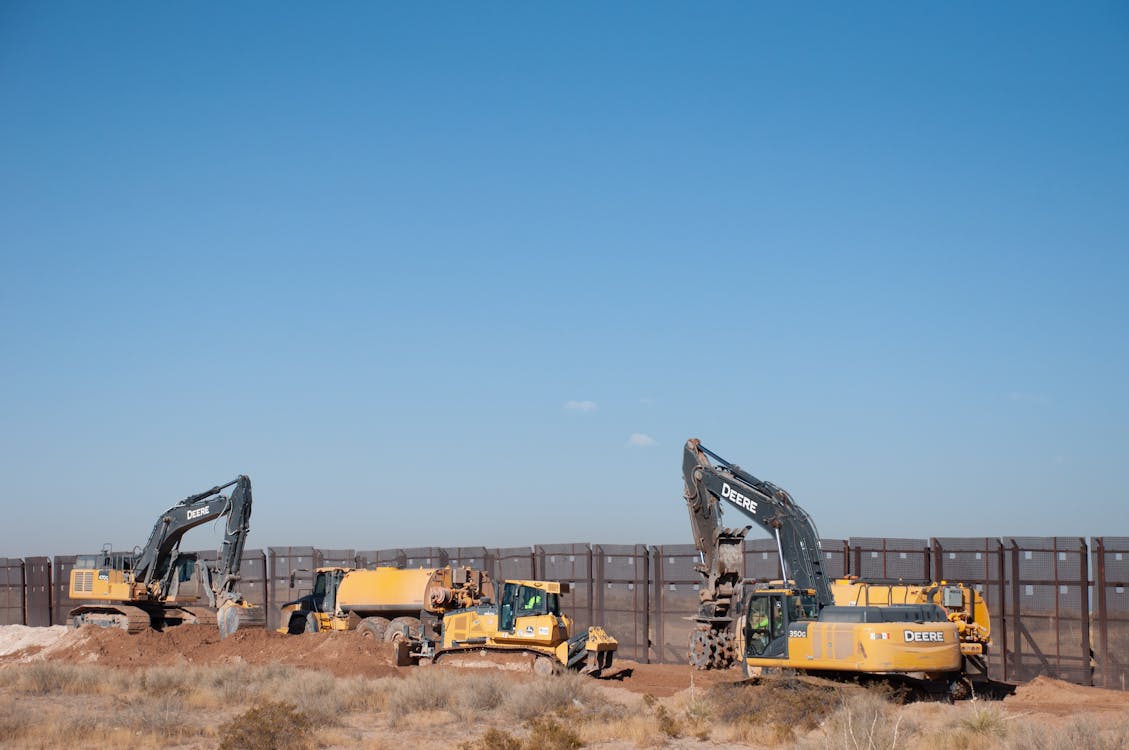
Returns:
<point x="343" y="597"/>
<point x="964" y="605"/>
<point x="433" y="612"/>
<point x="528" y="620"/>
<point x="783" y="628"/>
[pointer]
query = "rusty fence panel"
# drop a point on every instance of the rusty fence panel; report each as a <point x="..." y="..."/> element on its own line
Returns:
<point x="478" y="558"/>
<point x="1111" y="590"/>
<point x="61" y="602"/>
<point x="675" y="586"/>
<point x="890" y="559"/>
<point x="1048" y="601"/>
<point x="571" y="564"/>
<point x="291" y="576"/>
<point x="253" y="579"/>
<point x="513" y="563"/>
<point x="622" y="572"/>
<point x="37" y="579"/>
<point x="381" y="558"/>
<point x="979" y="562"/>
<point x="761" y="560"/>
<point x="334" y="558"/>
<point x="425" y="557"/>
<point x="11" y="591"/>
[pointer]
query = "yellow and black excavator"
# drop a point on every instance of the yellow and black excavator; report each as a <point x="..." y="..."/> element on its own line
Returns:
<point x="158" y="585"/>
<point x="932" y="638"/>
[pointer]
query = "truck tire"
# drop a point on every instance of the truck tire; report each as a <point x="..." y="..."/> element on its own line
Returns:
<point x="296" y="625"/>
<point x="373" y="628"/>
<point x="396" y="628"/>
<point x="312" y="625"/>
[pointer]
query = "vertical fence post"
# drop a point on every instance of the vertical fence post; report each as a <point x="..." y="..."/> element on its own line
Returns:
<point x="646" y="580"/>
<point x="1103" y="621"/>
<point x="660" y="610"/>
<point x="1017" y="623"/>
<point x="1084" y="606"/>
<point x="1001" y="589"/>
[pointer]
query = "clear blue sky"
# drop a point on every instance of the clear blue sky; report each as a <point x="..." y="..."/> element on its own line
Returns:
<point x="422" y="272"/>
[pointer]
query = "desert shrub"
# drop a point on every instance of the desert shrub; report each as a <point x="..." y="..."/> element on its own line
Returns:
<point x="866" y="719"/>
<point x="987" y="720"/>
<point x="1080" y="734"/>
<point x="268" y="726"/>
<point x="560" y="694"/>
<point x="422" y="690"/>
<point x="47" y="678"/>
<point x="493" y="739"/>
<point x="15" y="720"/>
<point x="546" y="733"/>
<point x="771" y="712"/>
<point x="360" y="694"/>
<point x="484" y="693"/>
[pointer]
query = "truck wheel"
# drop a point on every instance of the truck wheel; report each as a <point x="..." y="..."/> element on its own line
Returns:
<point x="312" y="625"/>
<point x="296" y="625"/>
<point x="396" y="628"/>
<point x="373" y="628"/>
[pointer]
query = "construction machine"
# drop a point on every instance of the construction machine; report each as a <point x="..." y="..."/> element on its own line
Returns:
<point x="158" y="585"/>
<point x="919" y="637"/>
<point x="438" y="614"/>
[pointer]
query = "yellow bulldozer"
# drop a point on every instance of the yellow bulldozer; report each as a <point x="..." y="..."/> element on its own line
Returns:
<point x="436" y="614"/>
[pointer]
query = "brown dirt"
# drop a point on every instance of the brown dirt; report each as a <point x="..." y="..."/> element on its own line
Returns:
<point x="1049" y="696"/>
<point x="342" y="654"/>
<point x="346" y="654"/>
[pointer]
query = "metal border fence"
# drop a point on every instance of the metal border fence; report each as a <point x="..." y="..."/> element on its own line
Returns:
<point x="1060" y="605"/>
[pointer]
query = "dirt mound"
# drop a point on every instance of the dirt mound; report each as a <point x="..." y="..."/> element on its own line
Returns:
<point x="1053" y="696"/>
<point x="340" y="653"/>
<point x="15" y="638"/>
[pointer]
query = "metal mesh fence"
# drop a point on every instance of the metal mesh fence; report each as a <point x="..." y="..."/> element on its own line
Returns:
<point x="1059" y="606"/>
<point x="1111" y="590"/>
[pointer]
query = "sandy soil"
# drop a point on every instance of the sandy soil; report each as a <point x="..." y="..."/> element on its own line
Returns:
<point x="345" y="654"/>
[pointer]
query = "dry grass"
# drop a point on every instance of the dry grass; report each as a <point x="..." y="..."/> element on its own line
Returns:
<point x="278" y="726"/>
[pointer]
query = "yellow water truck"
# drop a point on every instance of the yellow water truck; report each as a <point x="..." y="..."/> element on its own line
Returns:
<point x="434" y="614"/>
<point x="383" y="603"/>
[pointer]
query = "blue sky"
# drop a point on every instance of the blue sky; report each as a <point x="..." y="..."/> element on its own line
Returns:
<point x="422" y="272"/>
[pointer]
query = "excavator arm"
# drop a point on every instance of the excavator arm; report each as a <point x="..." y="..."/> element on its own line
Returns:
<point x="768" y="506"/>
<point x="708" y="486"/>
<point x="155" y="562"/>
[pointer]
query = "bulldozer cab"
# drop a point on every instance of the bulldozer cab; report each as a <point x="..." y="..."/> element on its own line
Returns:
<point x="520" y="600"/>
<point x="767" y="617"/>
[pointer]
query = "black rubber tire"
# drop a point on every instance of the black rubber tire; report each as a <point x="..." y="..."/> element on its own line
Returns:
<point x="297" y="624"/>
<point x="373" y="628"/>
<point x="395" y="629"/>
<point x="312" y="625"/>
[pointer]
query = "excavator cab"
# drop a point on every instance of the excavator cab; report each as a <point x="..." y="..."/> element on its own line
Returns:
<point x="768" y="615"/>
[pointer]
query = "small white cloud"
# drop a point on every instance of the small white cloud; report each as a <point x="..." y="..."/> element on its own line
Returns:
<point x="581" y="406"/>
<point x="639" y="440"/>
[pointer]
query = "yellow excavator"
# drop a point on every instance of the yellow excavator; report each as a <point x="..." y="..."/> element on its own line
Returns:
<point x="159" y="586"/>
<point x="440" y="614"/>
<point x="931" y="638"/>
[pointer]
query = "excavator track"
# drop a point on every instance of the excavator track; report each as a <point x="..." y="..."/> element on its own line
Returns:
<point x="132" y="620"/>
